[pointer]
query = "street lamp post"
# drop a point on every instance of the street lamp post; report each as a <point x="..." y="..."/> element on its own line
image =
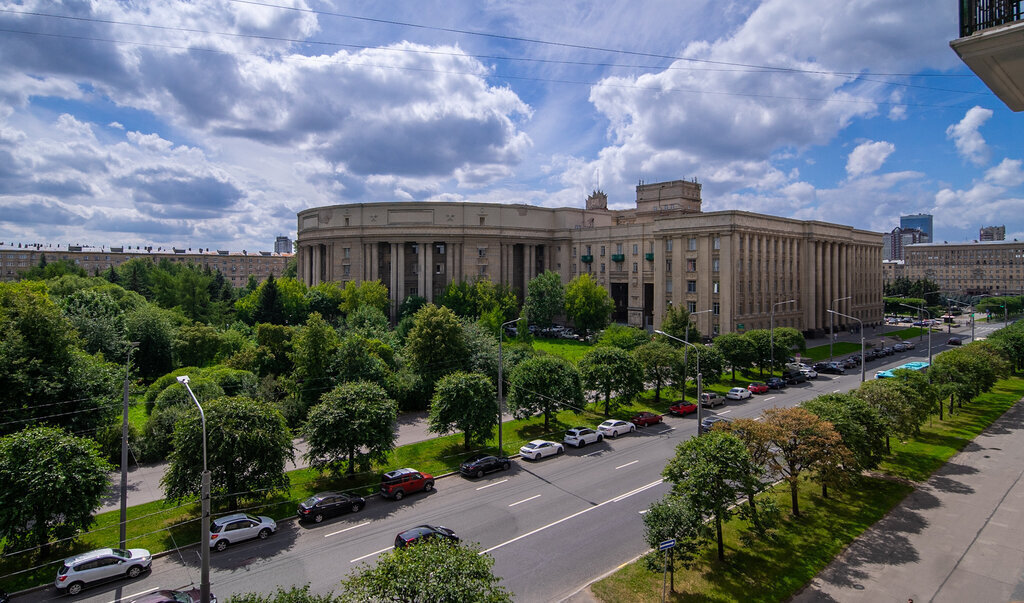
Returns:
<point x="919" y="311"/>
<point x="686" y="340"/>
<point x="700" y="403"/>
<point x="831" y="334"/>
<point x="501" y="364"/>
<point x="204" y="536"/>
<point x="771" y="333"/>
<point x="962" y="304"/>
<point x="862" y="363"/>
<point x="132" y="346"/>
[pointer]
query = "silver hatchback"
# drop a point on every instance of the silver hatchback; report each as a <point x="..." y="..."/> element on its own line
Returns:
<point x="238" y="527"/>
<point x="101" y="565"/>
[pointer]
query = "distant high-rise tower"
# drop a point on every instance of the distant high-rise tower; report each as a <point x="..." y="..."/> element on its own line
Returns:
<point x="992" y="233"/>
<point x="283" y="245"/>
<point x="922" y="222"/>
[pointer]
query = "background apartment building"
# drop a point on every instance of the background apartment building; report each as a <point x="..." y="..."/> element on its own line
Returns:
<point x="665" y="252"/>
<point x="236" y="267"/>
<point x="989" y="268"/>
<point x="992" y="233"/>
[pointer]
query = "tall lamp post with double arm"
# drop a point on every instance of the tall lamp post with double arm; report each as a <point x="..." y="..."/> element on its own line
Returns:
<point x="963" y="305"/>
<point x="831" y="332"/>
<point x="921" y="309"/>
<point x="861" y="339"/>
<point x="686" y="340"/>
<point x="699" y="384"/>
<point x="204" y="537"/>
<point x="771" y="332"/>
<point x="124" y="447"/>
<point x="501" y="364"/>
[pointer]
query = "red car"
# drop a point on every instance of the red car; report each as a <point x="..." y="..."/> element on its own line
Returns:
<point x="758" y="388"/>
<point x="396" y="484"/>
<point x="682" y="408"/>
<point x="646" y="418"/>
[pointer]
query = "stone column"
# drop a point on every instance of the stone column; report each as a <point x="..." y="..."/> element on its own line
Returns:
<point x="428" y="274"/>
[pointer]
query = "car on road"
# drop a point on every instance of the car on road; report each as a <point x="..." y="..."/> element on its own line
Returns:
<point x="581" y="436"/>
<point x="101" y="565"/>
<point x="646" y="418"/>
<point x="850" y="363"/>
<point x="328" y="504"/>
<point x="477" y="466"/>
<point x="613" y="428"/>
<point x="954" y="341"/>
<point x="738" y="393"/>
<point x="396" y="484"/>
<point x="833" y="368"/>
<point x="423" y="533"/>
<point x="538" y="449"/>
<point x="794" y="377"/>
<point x="708" y="422"/>
<point x="775" y="382"/>
<point x="711" y="399"/>
<point x="899" y="347"/>
<point x="192" y="595"/>
<point x="910" y="345"/>
<point x="682" y="407"/>
<point x="758" y="388"/>
<point x="239" y="527"/>
<point x="809" y="373"/>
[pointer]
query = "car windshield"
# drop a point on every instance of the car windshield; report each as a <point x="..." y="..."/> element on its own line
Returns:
<point x="530" y="446"/>
<point x="312" y="500"/>
<point x="182" y="597"/>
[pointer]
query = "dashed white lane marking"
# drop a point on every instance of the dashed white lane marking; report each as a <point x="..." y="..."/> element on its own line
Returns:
<point x="769" y="398"/>
<point x="130" y="597"/>
<point x="494" y="484"/>
<point x="628" y="464"/>
<point x="365" y="523"/>
<point x="370" y="555"/>
<point x="525" y="500"/>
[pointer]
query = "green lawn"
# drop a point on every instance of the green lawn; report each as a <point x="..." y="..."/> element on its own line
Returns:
<point x="768" y="570"/>
<point x="569" y="349"/>
<point x="839" y="349"/>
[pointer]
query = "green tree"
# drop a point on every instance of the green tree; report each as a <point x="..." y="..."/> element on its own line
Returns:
<point x="859" y="424"/>
<point x="464" y="402"/>
<point x="657" y="361"/>
<point x="51" y="482"/>
<point x="269" y="306"/>
<point x="313" y="350"/>
<point x="195" y="345"/>
<point x="100" y="322"/>
<point x="545" y="298"/>
<point x="193" y="293"/>
<point x="623" y="337"/>
<point x="757" y="439"/>
<point x="411" y="305"/>
<point x="736" y="350"/>
<point x="763" y="344"/>
<point x="544" y="384"/>
<point x="248" y="444"/>
<point x="677" y="323"/>
<point x="325" y="298"/>
<point x="354" y="424"/>
<point x="436" y="344"/>
<point x="153" y="328"/>
<point x="712" y="364"/>
<point x="460" y="298"/>
<point x="45" y="271"/>
<point x="674" y="517"/>
<point x="708" y="471"/>
<point x="611" y="370"/>
<point x="587" y="303"/>
<point x="430" y="571"/>
<point x="294" y="594"/>
<point x="365" y="293"/>
<point x="891" y="399"/>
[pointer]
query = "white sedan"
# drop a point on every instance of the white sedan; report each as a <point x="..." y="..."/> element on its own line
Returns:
<point x="612" y="428"/>
<point x="738" y="393"/>
<point x="540" y="448"/>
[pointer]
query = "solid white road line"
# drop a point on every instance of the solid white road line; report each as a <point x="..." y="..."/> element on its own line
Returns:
<point x="576" y="514"/>
<point x="594" y="453"/>
<point x="525" y="500"/>
<point x="365" y="523"/>
<point x="371" y="554"/>
<point x="836" y="391"/>
<point x="769" y="398"/>
<point x="725" y="412"/>
<point x="665" y="430"/>
<point x="494" y="484"/>
<point x="628" y="464"/>
<point x="130" y="597"/>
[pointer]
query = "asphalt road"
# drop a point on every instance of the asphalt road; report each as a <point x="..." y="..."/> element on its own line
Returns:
<point x="552" y="525"/>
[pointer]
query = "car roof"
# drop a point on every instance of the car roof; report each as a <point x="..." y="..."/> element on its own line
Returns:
<point x="539" y="442"/>
<point x="157" y="595"/>
<point x="231" y="517"/>
<point x="89" y="555"/>
<point x="397" y="472"/>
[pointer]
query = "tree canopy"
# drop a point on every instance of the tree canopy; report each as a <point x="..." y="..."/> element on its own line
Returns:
<point x="545" y="298"/>
<point x="353" y="425"/>
<point x="610" y="371"/>
<point x="587" y="303"/>
<point x="464" y="402"/>
<point x="544" y="384"/>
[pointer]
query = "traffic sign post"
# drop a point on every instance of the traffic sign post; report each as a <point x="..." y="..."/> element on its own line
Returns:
<point x="664" y="546"/>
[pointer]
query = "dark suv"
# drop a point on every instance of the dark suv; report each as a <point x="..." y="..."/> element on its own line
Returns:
<point x="423" y="533"/>
<point x="327" y="504"/>
<point x="794" y="377"/>
<point x="396" y="484"/>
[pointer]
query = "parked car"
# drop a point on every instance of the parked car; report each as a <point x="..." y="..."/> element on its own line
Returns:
<point x="758" y="388"/>
<point x="581" y="436"/>
<point x="794" y="377"/>
<point x="613" y="428"/>
<point x="954" y="341"/>
<point x="423" y="533"/>
<point x="810" y="373"/>
<point x="711" y="399"/>
<point x="239" y="527"/>
<point x="855" y="359"/>
<point x="899" y="347"/>
<point x="328" y="504"/>
<point x="646" y="418"/>
<point x="708" y="422"/>
<point x="396" y="484"/>
<point x="538" y="449"/>
<point x="682" y="407"/>
<point x="477" y="466"/>
<point x="775" y="382"/>
<point x="101" y="565"/>
<point x="831" y="368"/>
<point x="888" y="350"/>
<point x="192" y="595"/>
<point x="910" y="345"/>
<point x="738" y="393"/>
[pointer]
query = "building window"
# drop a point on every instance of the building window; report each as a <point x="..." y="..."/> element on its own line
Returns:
<point x="602" y="253"/>
<point x="481" y="251"/>
<point x="668" y="266"/>
<point x="416" y="248"/>
<point x="573" y="252"/>
<point x="691" y="265"/>
<point x="714" y="287"/>
<point x="716" y="243"/>
<point x="668" y="286"/>
<point x="439" y="247"/>
<point x="602" y="267"/>
<point x="346" y="270"/>
<point x="574" y="268"/>
<point x="482" y="219"/>
<point x="439" y="269"/>
<point x="634" y="266"/>
<point x="346" y="221"/>
<point x="588" y="250"/>
<point x="691" y="286"/>
<point x="714" y="265"/>
<point x="348" y="252"/>
<point x="413" y="291"/>
<point x="691" y="306"/>
<point x="715" y="329"/>
<point x="668" y="245"/>
<point x="691" y="244"/>
<point x="483" y="269"/>
<point x="715" y="308"/>
<point x="618" y="248"/>
<point x="636" y="249"/>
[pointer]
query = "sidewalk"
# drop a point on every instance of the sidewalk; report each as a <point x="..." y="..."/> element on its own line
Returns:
<point x="958" y="537"/>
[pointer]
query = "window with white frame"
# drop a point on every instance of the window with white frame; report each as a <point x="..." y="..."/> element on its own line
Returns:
<point x="691" y="244"/>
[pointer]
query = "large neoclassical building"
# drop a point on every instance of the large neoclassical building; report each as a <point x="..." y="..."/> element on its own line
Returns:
<point x="733" y="267"/>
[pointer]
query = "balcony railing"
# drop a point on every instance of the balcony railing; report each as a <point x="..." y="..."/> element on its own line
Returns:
<point x="976" y="15"/>
<point x="618" y="257"/>
<point x="649" y="257"/>
<point x="586" y="259"/>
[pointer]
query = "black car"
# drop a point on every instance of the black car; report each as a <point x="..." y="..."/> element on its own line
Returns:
<point x="328" y="504"/>
<point x="425" y="532"/>
<point x="477" y="466"/>
<point x="831" y="368"/>
<point x="954" y="341"/>
<point x="775" y="382"/>
<point x="172" y="596"/>
<point x="852" y="361"/>
<point x="794" y="377"/>
<point x="708" y="422"/>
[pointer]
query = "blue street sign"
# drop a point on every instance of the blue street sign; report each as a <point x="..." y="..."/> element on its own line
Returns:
<point x="664" y="545"/>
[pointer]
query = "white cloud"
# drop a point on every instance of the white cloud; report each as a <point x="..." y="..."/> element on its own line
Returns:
<point x="969" y="142"/>
<point x="868" y="157"/>
<point x="1009" y="173"/>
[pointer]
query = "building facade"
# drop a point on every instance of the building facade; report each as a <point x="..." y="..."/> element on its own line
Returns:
<point x="236" y="267"/>
<point x="283" y="244"/>
<point x="738" y="265"/>
<point x="922" y="222"/>
<point x="992" y="233"/>
<point x="991" y="268"/>
<point x="895" y="241"/>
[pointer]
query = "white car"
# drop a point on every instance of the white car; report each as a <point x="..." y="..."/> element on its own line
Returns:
<point x="614" y="427"/>
<point x="101" y="565"/>
<point x="809" y="373"/>
<point x="238" y="527"/>
<point x="538" y="449"/>
<point x="738" y="393"/>
<point x="581" y="436"/>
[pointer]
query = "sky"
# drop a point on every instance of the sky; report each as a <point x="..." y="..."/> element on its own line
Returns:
<point x="212" y="124"/>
